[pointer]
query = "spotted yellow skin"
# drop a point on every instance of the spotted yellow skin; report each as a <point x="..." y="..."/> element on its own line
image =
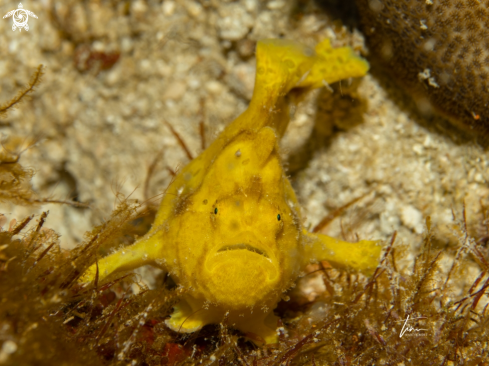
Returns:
<point x="229" y="229"/>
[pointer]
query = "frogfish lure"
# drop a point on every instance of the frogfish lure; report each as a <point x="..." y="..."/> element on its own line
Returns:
<point x="229" y="229"/>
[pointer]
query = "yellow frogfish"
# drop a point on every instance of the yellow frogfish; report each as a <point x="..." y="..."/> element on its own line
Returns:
<point x="229" y="228"/>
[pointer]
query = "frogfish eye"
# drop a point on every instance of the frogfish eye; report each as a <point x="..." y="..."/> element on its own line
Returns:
<point x="278" y="217"/>
<point x="215" y="211"/>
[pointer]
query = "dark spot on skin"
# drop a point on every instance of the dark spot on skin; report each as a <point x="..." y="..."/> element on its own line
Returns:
<point x="182" y="205"/>
<point x="205" y="202"/>
<point x="215" y="211"/>
<point x="278" y="217"/>
<point x="234" y="225"/>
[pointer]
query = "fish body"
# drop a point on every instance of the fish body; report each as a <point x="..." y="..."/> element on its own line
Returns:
<point x="229" y="229"/>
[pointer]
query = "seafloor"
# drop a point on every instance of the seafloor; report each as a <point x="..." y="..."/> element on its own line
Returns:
<point x="115" y="71"/>
<point x="97" y="131"/>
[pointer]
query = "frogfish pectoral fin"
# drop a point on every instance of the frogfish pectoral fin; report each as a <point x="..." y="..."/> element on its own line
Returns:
<point x="362" y="256"/>
<point x="146" y="250"/>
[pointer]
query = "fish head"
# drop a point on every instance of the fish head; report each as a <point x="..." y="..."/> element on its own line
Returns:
<point x="240" y="233"/>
